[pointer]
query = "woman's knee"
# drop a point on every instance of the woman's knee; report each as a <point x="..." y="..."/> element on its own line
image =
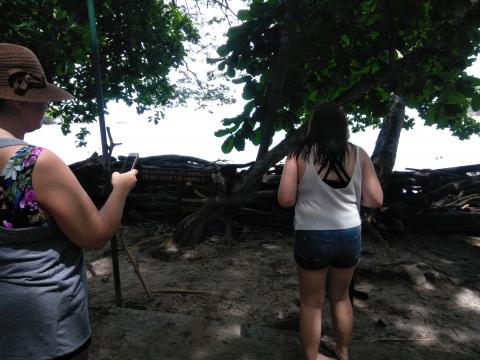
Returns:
<point x="335" y="298"/>
<point x="312" y="301"/>
<point x="337" y="292"/>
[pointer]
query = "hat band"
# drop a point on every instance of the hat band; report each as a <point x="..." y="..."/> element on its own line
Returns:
<point x="21" y="81"/>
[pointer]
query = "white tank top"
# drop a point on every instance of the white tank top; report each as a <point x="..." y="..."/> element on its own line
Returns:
<point x="322" y="207"/>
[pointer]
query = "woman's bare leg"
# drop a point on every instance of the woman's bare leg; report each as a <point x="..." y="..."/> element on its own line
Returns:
<point x="312" y="296"/>
<point x="341" y="308"/>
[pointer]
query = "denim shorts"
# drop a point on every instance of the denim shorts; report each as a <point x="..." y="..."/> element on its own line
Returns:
<point x="316" y="249"/>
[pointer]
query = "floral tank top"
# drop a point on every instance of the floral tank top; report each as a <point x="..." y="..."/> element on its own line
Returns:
<point x="18" y="204"/>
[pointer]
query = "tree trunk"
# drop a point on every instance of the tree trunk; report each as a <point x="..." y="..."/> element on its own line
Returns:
<point x="191" y="229"/>
<point x="385" y="151"/>
<point x="279" y="74"/>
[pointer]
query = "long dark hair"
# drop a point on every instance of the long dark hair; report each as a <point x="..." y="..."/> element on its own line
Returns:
<point x="327" y="136"/>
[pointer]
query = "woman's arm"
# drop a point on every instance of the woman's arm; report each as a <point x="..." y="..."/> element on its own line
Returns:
<point x="372" y="193"/>
<point x="287" y="190"/>
<point x="61" y="195"/>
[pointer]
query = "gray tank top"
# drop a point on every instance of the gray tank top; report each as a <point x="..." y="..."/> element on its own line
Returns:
<point x="43" y="292"/>
<point x="322" y="207"/>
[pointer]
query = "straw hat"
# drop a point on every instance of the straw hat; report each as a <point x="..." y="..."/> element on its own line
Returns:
<point x="22" y="77"/>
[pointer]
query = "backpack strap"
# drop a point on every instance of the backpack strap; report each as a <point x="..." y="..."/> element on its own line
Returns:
<point x="4" y="142"/>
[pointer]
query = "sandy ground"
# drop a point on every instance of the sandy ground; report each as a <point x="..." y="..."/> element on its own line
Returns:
<point x="241" y="301"/>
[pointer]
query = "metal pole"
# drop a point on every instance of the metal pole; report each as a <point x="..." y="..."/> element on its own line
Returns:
<point x="103" y="136"/>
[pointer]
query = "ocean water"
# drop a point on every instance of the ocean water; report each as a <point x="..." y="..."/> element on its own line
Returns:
<point x="189" y="131"/>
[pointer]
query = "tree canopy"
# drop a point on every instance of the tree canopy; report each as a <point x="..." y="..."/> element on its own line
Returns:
<point x="363" y="50"/>
<point x="418" y="50"/>
<point x="139" y="41"/>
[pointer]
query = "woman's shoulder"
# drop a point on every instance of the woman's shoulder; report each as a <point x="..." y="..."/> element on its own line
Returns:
<point x="49" y="157"/>
<point x="49" y="163"/>
<point x="355" y="147"/>
<point x="363" y="156"/>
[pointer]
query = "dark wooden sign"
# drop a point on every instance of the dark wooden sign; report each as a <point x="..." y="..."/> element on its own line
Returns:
<point x="167" y="175"/>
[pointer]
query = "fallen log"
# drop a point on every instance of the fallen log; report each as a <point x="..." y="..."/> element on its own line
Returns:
<point x="448" y="221"/>
<point x="173" y="186"/>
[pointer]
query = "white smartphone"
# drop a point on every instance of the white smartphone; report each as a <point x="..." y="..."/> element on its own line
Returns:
<point x="130" y="162"/>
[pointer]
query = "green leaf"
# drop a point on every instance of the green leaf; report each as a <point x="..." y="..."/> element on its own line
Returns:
<point x="257" y="137"/>
<point x="249" y="90"/>
<point x="452" y="110"/>
<point x="236" y="32"/>
<point x="222" y="132"/>
<point x="241" y="79"/>
<point x="231" y="71"/>
<point x="476" y="102"/>
<point x="249" y="106"/>
<point x="228" y="144"/>
<point x="223" y="50"/>
<point x="221" y="66"/>
<point x="237" y="120"/>
<point x="239" y="143"/>
<point x="213" y="60"/>
<point x="244" y="15"/>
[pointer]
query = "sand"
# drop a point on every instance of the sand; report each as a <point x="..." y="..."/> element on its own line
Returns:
<point x="240" y="301"/>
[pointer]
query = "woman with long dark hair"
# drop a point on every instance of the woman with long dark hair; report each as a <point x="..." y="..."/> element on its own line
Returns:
<point x="327" y="179"/>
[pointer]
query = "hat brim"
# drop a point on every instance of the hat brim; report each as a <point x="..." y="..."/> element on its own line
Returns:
<point x="50" y="93"/>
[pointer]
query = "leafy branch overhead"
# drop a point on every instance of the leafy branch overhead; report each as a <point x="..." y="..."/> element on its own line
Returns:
<point x="418" y="50"/>
<point x="139" y="41"/>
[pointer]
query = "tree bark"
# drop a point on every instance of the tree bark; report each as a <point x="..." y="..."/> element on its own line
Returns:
<point x="385" y="151"/>
<point x="279" y="74"/>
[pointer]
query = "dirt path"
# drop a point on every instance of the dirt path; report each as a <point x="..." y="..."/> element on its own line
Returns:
<point x="240" y="301"/>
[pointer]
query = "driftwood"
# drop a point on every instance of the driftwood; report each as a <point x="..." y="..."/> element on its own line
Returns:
<point x="183" y="291"/>
<point x="134" y="263"/>
<point x="172" y="187"/>
<point x="443" y="200"/>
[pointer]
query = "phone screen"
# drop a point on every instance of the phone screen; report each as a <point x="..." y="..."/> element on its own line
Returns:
<point x="130" y="162"/>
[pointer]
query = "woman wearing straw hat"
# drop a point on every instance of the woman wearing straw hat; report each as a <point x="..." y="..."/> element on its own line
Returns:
<point x="46" y="218"/>
<point x="327" y="179"/>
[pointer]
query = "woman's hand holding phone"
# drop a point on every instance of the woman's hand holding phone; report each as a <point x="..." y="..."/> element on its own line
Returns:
<point x="127" y="178"/>
<point x="130" y="162"/>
